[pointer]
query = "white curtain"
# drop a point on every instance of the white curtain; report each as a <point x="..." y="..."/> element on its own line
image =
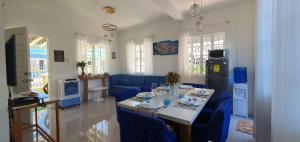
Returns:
<point x="99" y="47"/>
<point x="130" y="57"/>
<point x="183" y="61"/>
<point x="148" y="48"/>
<point x="81" y="44"/>
<point x="277" y="71"/>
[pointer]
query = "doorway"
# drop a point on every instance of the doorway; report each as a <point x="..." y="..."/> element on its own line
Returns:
<point x="38" y="50"/>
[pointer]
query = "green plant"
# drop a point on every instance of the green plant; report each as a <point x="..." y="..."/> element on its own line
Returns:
<point x="81" y="65"/>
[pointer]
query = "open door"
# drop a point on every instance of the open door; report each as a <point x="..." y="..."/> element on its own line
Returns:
<point x="22" y="56"/>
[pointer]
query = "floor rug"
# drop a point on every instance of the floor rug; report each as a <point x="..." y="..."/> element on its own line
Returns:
<point x="245" y="126"/>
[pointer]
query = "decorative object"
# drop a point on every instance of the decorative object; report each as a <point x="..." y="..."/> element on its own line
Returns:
<point x="109" y="27"/>
<point x="59" y="56"/>
<point x="113" y="55"/>
<point x="167" y="47"/>
<point x="81" y="65"/>
<point x="199" y="25"/>
<point x="195" y="8"/>
<point x="173" y="78"/>
<point x="245" y="126"/>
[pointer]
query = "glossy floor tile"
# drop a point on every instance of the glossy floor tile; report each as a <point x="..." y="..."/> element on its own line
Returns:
<point x="96" y="122"/>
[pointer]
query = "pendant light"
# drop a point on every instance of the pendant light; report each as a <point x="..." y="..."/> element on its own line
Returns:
<point x="195" y="8"/>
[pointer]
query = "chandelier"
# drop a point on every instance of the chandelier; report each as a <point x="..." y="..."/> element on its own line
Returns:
<point x="195" y="8"/>
<point x="199" y="25"/>
<point x="109" y="27"/>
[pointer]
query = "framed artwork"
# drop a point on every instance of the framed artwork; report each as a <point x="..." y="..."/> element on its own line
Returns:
<point x="59" y="56"/>
<point x="167" y="47"/>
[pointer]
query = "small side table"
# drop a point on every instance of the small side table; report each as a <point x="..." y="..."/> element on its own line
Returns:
<point x="86" y="79"/>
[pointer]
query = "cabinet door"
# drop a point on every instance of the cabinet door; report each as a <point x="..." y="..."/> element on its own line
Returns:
<point x="22" y="58"/>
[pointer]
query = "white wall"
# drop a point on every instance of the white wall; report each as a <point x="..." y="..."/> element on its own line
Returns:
<point x="58" y="24"/>
<point x="239" y="38"/>
<point x="161" y="29"/>
<point x="4" y="129"/>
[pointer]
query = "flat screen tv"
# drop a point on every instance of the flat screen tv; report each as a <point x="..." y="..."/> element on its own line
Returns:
<point x="10" y="54"/>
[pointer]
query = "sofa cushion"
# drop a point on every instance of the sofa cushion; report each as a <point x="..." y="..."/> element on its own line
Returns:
<point x="155" y="79"/>
<point x="136" y="80"/>
<point x="122" y="87"/>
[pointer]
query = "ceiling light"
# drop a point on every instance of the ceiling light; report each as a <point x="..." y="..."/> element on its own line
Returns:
<point x="199" y="25"/>
<point x="195" y="8"/>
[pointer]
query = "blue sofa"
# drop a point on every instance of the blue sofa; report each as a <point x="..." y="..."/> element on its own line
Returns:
<point x="122" y="82"/>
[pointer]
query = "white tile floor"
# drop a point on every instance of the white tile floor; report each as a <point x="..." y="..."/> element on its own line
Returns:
<point x="96" y="122"/>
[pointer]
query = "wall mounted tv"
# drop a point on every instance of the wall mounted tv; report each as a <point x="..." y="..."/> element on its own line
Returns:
<point x="10" y="54"/>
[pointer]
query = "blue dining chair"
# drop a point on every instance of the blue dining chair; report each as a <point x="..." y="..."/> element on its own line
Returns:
<point x="212" y="104"/>
<point x="196" y="85"/>
<point x="135" y="127"/>
<point x="215" y="128"/>
<point x="124" y="95"/>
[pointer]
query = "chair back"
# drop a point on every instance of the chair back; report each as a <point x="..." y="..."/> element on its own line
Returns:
<point x="214" y="102"/>
<point x="135" y="127"/>
<point x="220" y="119"/>
<point x="124" y="95"/>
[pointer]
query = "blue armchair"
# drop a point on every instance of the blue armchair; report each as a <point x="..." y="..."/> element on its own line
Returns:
<point x="214" y="128"/>
<point x="135" y="127"/>
<point x="121" y="96"/>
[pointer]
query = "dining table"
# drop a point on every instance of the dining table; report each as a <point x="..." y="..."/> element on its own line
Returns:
<point x="175" y="114"/>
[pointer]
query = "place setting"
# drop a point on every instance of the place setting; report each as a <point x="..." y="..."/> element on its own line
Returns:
<point x="190" y="102"/>
<point x="203" y="93"/>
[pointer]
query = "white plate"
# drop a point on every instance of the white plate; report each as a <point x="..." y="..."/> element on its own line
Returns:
<point x="187" y="100"/>
<point x="152" y="105"/>
<point x="143" y="94"/>
<point x="185" y="87"/>
<point x="201" y="92"/>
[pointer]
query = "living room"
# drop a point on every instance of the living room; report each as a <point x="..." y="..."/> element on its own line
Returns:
<point x="111" y="53"/>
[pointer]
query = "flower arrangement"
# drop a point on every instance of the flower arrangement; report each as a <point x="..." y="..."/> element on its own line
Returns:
<point x="172" y="78"/>
<point x="81" y="65"/>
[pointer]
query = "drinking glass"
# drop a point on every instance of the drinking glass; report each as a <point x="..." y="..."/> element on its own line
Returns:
<point x="153" y="87"/>
<point x="167" y="102"/>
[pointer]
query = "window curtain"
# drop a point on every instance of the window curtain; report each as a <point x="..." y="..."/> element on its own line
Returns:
<point x="277" y="71"/>
<point x="148" y="49"/>
<point x="81" y="44"/>
<point x="100" y="46"/>
<point x="183" y="57"/>
<point x="130" y="55"/>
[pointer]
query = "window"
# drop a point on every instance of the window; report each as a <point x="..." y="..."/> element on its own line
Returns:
<point x="198" y="47"/>
<point x="139" y="58"/>
<point x="96" y="59"/>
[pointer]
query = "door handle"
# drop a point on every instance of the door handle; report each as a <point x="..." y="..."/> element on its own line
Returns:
<point x="27" y="73"/>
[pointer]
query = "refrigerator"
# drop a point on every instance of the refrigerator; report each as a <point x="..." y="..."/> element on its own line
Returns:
<point x="217" y="74"/>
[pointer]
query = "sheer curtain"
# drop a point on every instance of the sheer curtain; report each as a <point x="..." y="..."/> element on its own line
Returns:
<point x="277" y="71"/>
<point x="183" y="61"/>
<point x="148" y="48"/>
<point x="98" y="48"/>
<point x="81" y="44"/>
<point x="130" y="55"/>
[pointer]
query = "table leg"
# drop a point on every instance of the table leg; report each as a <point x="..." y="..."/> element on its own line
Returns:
<point x="18" y="123"/>
<point x="86" y="86"/>
<point x="185" y="133"/>
<point x="57" y="122"/>
<point x="36" y="123"/>
<point x="103" y="83"/>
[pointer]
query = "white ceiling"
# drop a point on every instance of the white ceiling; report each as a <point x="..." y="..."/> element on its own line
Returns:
<point x="128" y="12"/>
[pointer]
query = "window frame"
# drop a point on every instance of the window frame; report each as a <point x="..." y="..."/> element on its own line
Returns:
<point x="201" y="39"/>
<point x="139" y="67"/>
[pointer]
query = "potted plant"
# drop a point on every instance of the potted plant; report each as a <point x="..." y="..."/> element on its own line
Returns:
<point x="81" y="65"/>
<point x="173" y="79"/>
